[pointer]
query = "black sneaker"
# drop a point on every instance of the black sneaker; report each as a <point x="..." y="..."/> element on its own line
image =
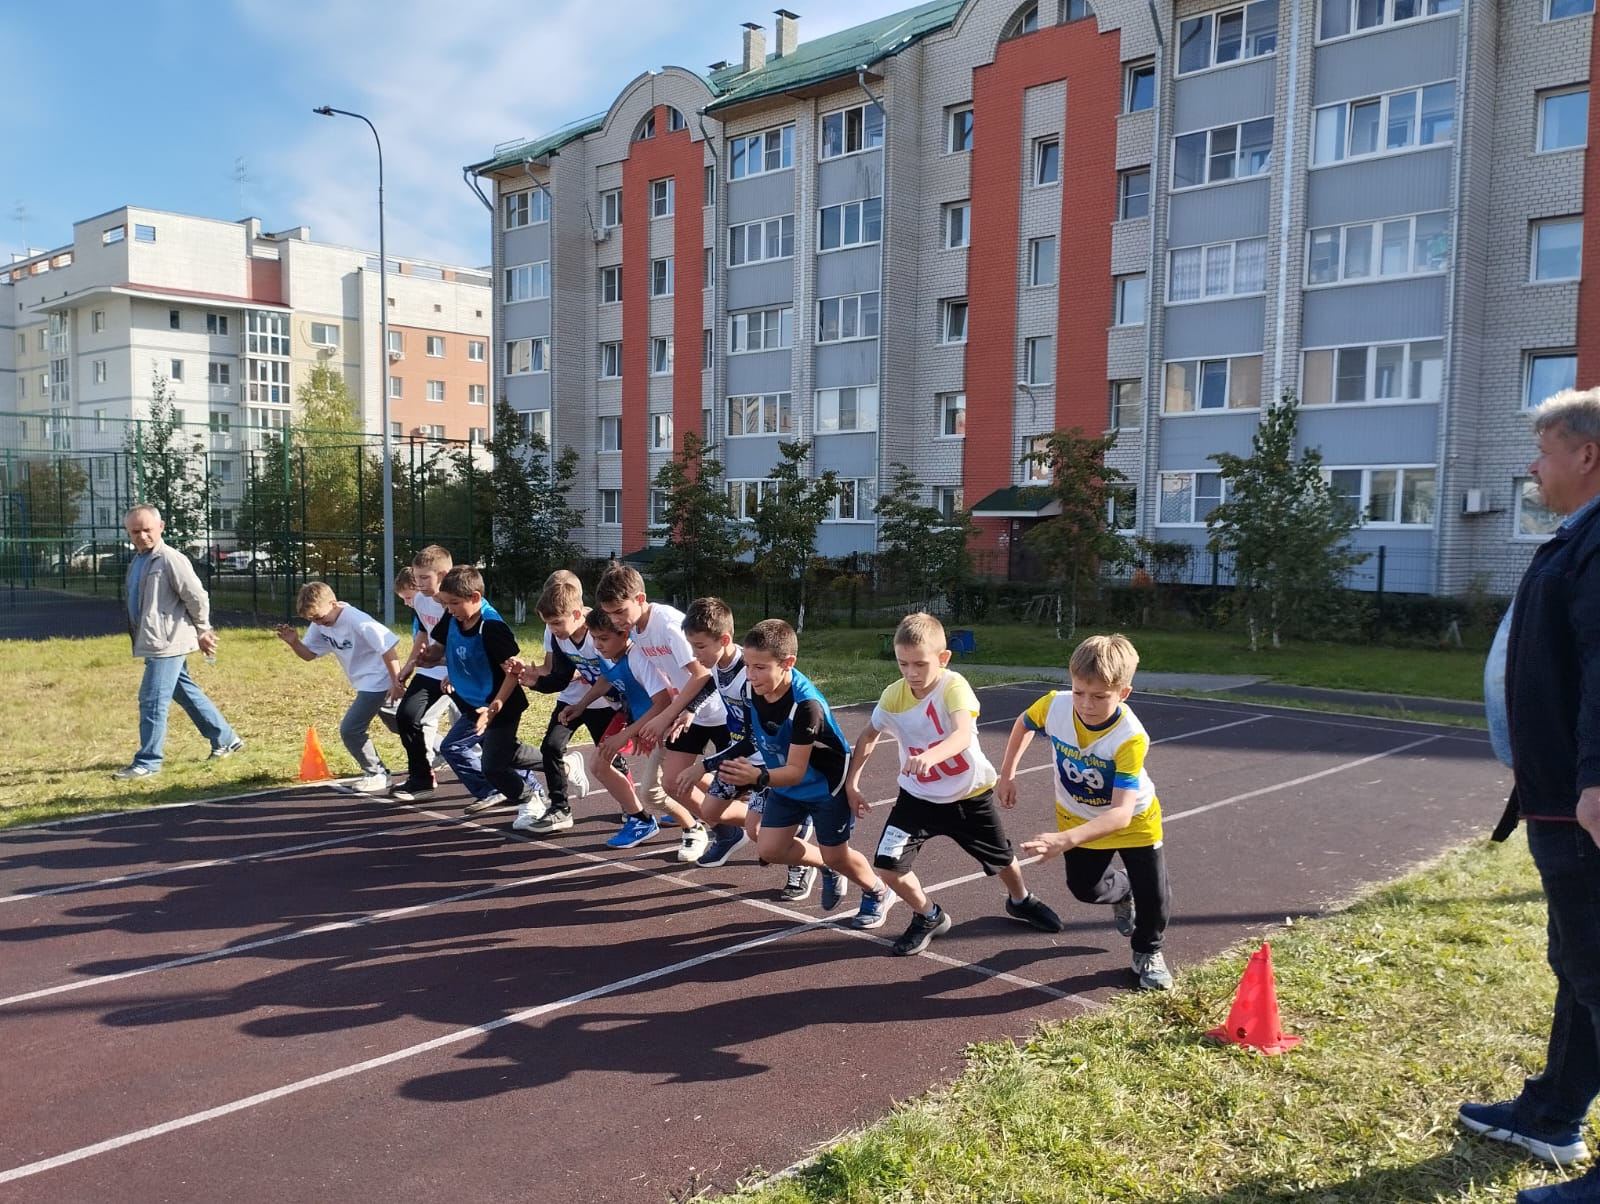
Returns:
<point x="414" y="792"/>
<point x="919" y="935"/>
<point x="1033" y="912"/>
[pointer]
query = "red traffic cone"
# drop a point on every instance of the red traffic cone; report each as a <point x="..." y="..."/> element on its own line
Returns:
<point x="313" y="765"/>
<point x="1253" y="1019"/>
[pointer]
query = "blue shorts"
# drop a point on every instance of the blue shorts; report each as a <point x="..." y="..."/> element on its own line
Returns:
<point x="832" y="816"/>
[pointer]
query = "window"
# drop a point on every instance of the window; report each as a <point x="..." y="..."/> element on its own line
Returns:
<point x="760" y="414"/>
<point x="609" y="436"/>
<point x="100" y="372"/>
<point x="746" y="498"/>
<point x="222" y="468"/>
<point x="1402" y="246"/>
<point x="1226" y="153"/>
<point x="1039" y="360"/>
<point x="1025" y="21"/>
<point x="477" y="435"/>
<point x="611" y="209"/>
<point x="661" y="195"/>
<point x="397" y="343"/>
<point x="527" y="355"/>
<point x="1230" y="36"/>
<point x="142" y="233"/>
<point x="1122" y="509"/>
<point x="1042" y="262"/>
<point x="660" y="355"/>
<point x="610" y="285"/>
<point x="269" y="381"/>
<point x="646" y="129"/>
<point x="477" y="395"/>
<point x="436" y="390"/>
<point x="956" y="221"/>
<point x="1557" y="249"/>
<point x="953" y="320"/>
<point x="756" y="154"/>
<point x="1548" y="373"/>
<point x="1127" y="405"/>
<point x="660" y="432"/>
<point x="100" y="429"/>
<point x="756" y="242"/>
<point x="1188" y="497"/>
<point x="952" y="415"/>
<point x="958" y="129"/>
<point x="849" y="409"/>
<point x="1382" y="372"/>
<point x="1075" y="10"/>
<point x="175" y="370"/>
<point x="610" y="507"/>
<point x="1047" y="161"/>
<point x="610" y="361"/>
<point x="1133" y="194"/>
<point x="1534" y="519"/>
<point x="1382" y="125"/>
<point x="1341" y="17"/>
<point x="707" y="351"/>
<point x="1139" y="88"/>
<point x="1564" y="119"/>
<point x="1036" y="458"/>
<point x="1233" y="384"/>
<point x="114" y="235"/>
<point x="1129" y="292"/>
<point x="1227" y="269"/>
<point x="396" y="387"/>
<point x="850" y="130"/>
<point x="853" y="502"/>
<point x="853" y="224"/>
<point x="1556" y="9"/>
<point x="840" y="319"/>
<point x="435" y="347"/>
<point x="172" y="324"/>
<point x="661" y="277"/>
<point x="475" y="350"/>
<point x="219" y="422"/>
<point x="215" y="323"/>
<point x="397" y="430"/>
<point x="537" y="422"/>
<point x="217" y="372"/>
<point x="1399" y="496"/>
<point x="324" y="334"/>
<point x="527" y="208"/>
<point x="949" y="501"/>
<point x="763" y="330"/>
<point x="528" y="282"/>
<point x="659" y="507"/>
<point x="675" y="120"/>
<point x="708" y="269"/>
<point x="709" y="191"/>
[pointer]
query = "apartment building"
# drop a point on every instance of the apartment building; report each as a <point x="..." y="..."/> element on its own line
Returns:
<point x="934" y="238"/>
<point x="235" y="319"/>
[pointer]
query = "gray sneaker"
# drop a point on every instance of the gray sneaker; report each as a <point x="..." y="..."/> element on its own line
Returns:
<point x="479" y="805"/>
<point x="132" y="773"/>
<point x="1122" y="915"/>
<point x="226" y="750"/>
<point x="798" y="887"/>
<point x="1152" y="971"/>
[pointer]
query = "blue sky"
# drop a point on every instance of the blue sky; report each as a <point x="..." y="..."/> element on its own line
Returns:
<point x="156" y="102"/>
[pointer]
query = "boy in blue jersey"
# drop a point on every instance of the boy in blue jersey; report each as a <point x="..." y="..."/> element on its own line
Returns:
<point x="1106" y="805"/>
<point x="481" y="746"/>
<point x="804" y="760"/>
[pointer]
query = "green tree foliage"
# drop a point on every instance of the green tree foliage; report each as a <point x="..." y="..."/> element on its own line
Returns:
<point x="533" y="521"/>
<point x="169" y="467"/>
<point x="330" y="443"/>
<point x="51" y="494"/>
<point x="917" y="545"/>
<point x="703" y="536"/>
<point x="1286" y="528"/>
<point x="1074" y="543"/>
<point x="792" y="506"/>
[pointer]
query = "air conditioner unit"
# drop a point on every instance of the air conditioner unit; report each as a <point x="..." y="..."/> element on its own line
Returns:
<point x="1475" y="501"/>
<point x="396" y="356"/>
<point x="601" y="235"/>
<point x="420" y="432"/>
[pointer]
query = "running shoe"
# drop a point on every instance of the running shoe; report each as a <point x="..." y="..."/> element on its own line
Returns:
<point x="1499" y="1122"/>
<point x="1033" y="912"/>
<point x="693" y="843"/>
<point x="415" y="792"/>
<point x="834" y="888"/>
<point x="726" y="840"/>
<point x="1123" y="915"/>
<point x="530" y="811"/>
<point x="371" y="783"/>
<point x="636" y="829"/>
<point x="797" y="889"/>
<point x="553" y="820"/>
<point x="487" y="803"/>
<point x="874" y="909"/>
<point x="921" y="932"/>
<point x="226" y="750"/>
<point x="1152" y="971"/>
<point x="130" y="773"/>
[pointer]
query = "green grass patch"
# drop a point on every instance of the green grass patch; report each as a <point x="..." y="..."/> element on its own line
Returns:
<point x="1430" y="991"/>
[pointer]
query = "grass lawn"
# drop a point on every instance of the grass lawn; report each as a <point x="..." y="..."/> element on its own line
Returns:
<point x="1431" y="991"/>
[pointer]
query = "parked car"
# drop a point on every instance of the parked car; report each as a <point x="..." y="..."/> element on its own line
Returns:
<point x="246" y="561"/>
<point x="88" y="557"/>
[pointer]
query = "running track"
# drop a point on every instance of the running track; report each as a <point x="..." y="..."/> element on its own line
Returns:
<point x="300" y="997"/>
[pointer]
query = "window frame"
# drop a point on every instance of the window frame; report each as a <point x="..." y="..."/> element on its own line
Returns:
<point x="1533" y="355"/>
<point x="428" y="347"/>
<point x="1195" y="496"/>
<point x="1376" y="245"/>
<point x="434" y="391"/>
<point x="1205" y="251"/>
<point x="663" y="197"/>
<point x="1521" y="487"/>
<point x="1119" y="404"/>
<point x="518" y="276"/>
<point x="662" y="354"/>
<point x="859" y="319"/>
<point x="1133" y="75"/>
<point x="1121" y="286"/>
<point x="659" y="431"/>
<point x="1388" y="20"/>
<point x="1200" y="365"/>
<point x="612" y="350"/>
<point x="948" y="307"/>
<point x="959" y="121"/>
<point x="610" y="208"/>
<point x="1364" y="500"/>
<point x="1547" y="12"/>
<point x="1347" y="128"/>
<point x="608" y="424"/>
<point x="1124" y="194"/>
<point x="661" y="277"/>
<point x="1371" y="367"/>
<point x="782" y="405"/>
<point x="1047" y="152"/>
<point x="610" y="502"/>
<point x="952" y="405"/>
<point x="1541" y="99"/>
<point x="741" y="234"/>
<point x="612" y="275"/>
<point x="538" y="355"/>
<point x="1036" y="247"/>
<point x="1032" y="360"/>
<point x="836" y="425"/>
<point x="1210" y="155"/>
<point x="865" y="206"/>
<point x="775" y="322"/>
<point x="1535" y="228"/>
<point x="863" y="131"/>
<point x="739" y="152"/>
<point x="1212" y="22"/>
<point x="947" y="214"/>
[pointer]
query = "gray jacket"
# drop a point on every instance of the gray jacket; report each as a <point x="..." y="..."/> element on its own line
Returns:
<point x="173" y="607"/>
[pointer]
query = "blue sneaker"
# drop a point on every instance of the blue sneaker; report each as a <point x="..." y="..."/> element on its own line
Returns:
<point x="874" y="909"/>
<point x="1585" y="1189"/>
<point x="834" y="888"/>
<point x="1499" y="1122"/>
<point x="636" y="829"/>
<point x="726" y="840"/>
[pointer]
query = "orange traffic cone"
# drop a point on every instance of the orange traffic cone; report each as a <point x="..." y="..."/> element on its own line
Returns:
<point x="313" y="765"/>
<point x="1253" y="1019"/>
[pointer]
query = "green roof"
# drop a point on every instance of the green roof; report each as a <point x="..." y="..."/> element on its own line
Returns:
<point x="1019" y="501"/>
<point x="835" y="55"/>
<point x="537" y="148"/>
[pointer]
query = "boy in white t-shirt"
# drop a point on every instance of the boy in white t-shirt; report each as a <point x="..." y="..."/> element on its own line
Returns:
<point x="417" y="715"/>
<point x="946" y="784"/>
<point x="366" y="651"/>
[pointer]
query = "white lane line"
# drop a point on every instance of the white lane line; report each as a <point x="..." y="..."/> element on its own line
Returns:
<point x="286" y="788"/>
<point x="1310" y="777"/>
<point x="1342" y="719"/>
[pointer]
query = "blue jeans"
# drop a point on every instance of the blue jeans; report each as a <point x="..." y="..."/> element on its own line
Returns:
<point x="167" y="680"/>
<point x="1569" y="866"/>
<point x="493" y="762"/>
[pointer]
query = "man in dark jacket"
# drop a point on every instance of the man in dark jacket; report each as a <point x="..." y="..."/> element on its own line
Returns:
<point x="1548" y="722"/>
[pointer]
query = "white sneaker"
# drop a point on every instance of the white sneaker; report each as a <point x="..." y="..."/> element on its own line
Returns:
<point x="531" y="810"/>
<point x="488" y="803"/>
<point x="371" y="783"/>
<point x="693" y="843"/>
<point x="577" y="776"/>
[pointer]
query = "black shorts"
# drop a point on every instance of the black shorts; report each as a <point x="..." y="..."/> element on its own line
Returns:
<point x="973" y="823"/>
<point x="697" y="736"/>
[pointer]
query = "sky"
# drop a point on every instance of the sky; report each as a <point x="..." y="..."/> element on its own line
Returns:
<point x="204" y="106"/>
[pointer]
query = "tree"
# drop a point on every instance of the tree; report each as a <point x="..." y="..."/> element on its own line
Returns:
<point x="169" y="467"/>
<point x="1286" y="527"/>
<point x="703" y="536"/>
<point x="792" y="506"/>
<point x="1075" y="542"/>
<point x="330" y="444"/>
<point x="918" y="544"/>
<point x="533" y="521"/>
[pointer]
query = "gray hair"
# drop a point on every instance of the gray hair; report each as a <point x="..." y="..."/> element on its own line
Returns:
<point x="142" y="508"/>
<point x="1576" y="412"/>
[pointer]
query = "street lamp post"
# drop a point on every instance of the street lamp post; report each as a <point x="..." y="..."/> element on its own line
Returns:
<point x="383" y="376"/>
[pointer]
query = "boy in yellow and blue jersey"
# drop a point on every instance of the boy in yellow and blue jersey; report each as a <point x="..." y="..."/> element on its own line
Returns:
<point x="1106" y="804"/>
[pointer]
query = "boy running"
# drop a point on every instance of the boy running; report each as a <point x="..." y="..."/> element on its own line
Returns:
<point x="426" y="703"/>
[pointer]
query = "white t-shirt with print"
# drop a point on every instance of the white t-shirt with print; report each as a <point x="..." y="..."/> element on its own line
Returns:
<point x="575" y="689"/>
<point x="358" y="642"/>
<point x="667" y="648"/>
<point x="430" y="611"/>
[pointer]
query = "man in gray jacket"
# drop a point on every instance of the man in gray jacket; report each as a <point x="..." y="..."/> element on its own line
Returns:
<point x="169" y="616"/>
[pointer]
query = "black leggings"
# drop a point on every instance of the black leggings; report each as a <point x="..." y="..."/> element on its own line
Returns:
<point x="1093" y="879"/>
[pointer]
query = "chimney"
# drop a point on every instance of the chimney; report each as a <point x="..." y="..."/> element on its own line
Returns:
<point x="788" y="31"/>
<point x="755" y="46"/>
